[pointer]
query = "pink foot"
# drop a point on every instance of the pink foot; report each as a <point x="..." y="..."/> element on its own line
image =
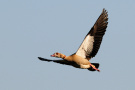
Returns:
<point x="94" y="67"/>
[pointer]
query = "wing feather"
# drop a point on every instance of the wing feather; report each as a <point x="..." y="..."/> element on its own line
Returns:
<point x="93" y="39"/>
<point x="64" y="62"/>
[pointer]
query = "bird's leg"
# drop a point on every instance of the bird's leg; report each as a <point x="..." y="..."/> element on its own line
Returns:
<point x="94" y="67"/>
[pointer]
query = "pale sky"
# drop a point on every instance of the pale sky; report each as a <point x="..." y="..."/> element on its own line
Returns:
<point x="33" y="28"/>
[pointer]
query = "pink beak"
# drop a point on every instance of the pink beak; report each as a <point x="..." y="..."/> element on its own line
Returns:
<point x="53" y="55"/>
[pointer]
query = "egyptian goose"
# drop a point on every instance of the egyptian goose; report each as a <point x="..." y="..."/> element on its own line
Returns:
<point x="88" y="49"/>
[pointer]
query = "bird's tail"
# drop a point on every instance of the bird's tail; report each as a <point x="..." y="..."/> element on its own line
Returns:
<point x="96" y="65"/>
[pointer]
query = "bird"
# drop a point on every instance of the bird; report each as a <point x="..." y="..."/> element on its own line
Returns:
<point x="88" y="48"/>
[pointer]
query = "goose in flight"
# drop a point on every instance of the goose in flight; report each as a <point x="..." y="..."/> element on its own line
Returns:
<point x="88" y="49"/>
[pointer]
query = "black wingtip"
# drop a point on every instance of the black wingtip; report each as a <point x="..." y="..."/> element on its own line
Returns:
<point x="42" y="59"/>
<point x="104" y="11"/>
<point x="39" y="58"/>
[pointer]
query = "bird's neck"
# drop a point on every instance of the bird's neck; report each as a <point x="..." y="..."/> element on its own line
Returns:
<point x="62" y="56"/>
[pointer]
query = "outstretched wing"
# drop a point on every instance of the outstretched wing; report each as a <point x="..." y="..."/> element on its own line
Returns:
<point x="68" y="63"/>
<point x="93" y="39"/>
<point x="65" y="62"/>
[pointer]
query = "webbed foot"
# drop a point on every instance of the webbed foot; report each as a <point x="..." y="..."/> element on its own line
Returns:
<point x="94" y="67"/>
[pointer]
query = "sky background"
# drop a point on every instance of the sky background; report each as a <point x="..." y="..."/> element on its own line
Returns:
<point x="33" y="28"/>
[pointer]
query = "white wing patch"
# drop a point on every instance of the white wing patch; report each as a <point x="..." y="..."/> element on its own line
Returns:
<point x="86" y="47"/>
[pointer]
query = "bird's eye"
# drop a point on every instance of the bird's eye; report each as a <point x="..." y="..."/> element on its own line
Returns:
<point x="56" y="53"/>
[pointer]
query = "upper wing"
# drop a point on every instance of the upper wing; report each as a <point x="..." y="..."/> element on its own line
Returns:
<point x="93" y="39"/>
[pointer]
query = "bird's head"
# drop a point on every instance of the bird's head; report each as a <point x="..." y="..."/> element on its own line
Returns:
<point x="56" y="55"/>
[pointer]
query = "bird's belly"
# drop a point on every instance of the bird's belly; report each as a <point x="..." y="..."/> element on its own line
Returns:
<point x="79" y="60"/>
<point x="84" y="66"/>
<point x="83" y="63"/>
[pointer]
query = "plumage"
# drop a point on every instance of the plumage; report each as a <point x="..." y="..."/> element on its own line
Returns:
<point x="96" y="32"/>
<point x="89" y="47"/>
